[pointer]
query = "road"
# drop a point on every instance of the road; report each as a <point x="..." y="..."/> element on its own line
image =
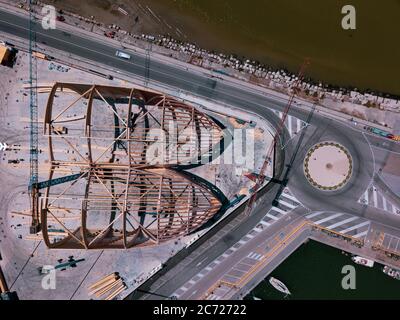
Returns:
<point x="255" y="253"/>
<point x="360" y="145"/>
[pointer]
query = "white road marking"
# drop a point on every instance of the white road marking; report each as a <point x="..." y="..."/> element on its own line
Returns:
<point x="298" y="125"/>
<point x="3" y="146"/>
<point x="291" y="206"/>
<point x="328" y="218"/>
<point x="355" y="227"/>
<point x="193" y="293"/>
<point x="290" y="125"/>
<point x="254" y="255"/>
<point x="375" y="197"/>
<point x="265" y="223"/>
<point x="337" y="224"/>
<point x="230" y="275"/>
<point x="183" y="288"/>
<point x="391" y="238"/>
<point x="384" y="203"/>
<point x="271" y="216"/>
<point x="246" y="264"/>
<point x="314" y="214"/>
<point x="178" y="294"/>
<point x="201" y="262"/>
<point x="287" y="195"/>
<point x="364" y="233"/>
<point x="278" y="210"/>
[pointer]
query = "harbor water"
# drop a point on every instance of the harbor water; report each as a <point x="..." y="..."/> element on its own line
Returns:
<point x="314" y="271"/>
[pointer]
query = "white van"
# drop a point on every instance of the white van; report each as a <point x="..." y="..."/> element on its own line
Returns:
<point x="122" y="55"/>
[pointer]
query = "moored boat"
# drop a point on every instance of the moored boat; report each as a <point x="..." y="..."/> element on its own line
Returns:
<point x="279" y="285"/>
<point x="363" y="261"/>
<point x="393" y="273"/>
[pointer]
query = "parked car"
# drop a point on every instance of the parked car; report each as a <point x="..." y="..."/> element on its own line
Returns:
<point x="122" y="55"/>
<point x="110" y="34"/>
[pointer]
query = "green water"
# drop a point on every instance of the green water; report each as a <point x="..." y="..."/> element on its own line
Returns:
<point x="282" y="32"/>
<point x="314" y="272"/>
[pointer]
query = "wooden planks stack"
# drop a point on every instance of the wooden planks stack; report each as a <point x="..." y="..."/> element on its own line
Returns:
<point x="112" y="285"/>
<point x="3" y="283"/>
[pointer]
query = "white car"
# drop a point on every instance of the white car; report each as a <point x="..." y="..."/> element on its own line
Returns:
<point x="3" y="43"/>
<point x="123" y="55"/>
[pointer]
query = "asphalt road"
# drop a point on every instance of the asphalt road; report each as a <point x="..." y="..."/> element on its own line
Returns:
<point x="257" y="244"/>
<point x="321" y="128"/>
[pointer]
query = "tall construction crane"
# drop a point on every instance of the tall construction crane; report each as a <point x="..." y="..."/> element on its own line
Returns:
<point x="34" y="185"/>
<point x="33" y="107"/>
<point x="261" y="176"/>
<point x="294" y="155"/>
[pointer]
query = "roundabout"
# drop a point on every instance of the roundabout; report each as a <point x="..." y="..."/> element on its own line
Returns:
<point x="328" y="166"/>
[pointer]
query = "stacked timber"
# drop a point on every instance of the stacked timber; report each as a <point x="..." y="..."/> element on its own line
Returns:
<point x="108" y="287"/>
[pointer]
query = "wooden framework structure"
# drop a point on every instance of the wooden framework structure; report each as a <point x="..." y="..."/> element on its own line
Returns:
<point x="127" y="147"/>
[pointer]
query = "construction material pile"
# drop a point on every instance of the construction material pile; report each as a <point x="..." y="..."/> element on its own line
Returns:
<point x="109" y="287"/>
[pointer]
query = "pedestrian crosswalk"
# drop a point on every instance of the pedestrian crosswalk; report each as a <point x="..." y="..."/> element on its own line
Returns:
<point x="255" y="256"/>
<point x="391" y="243"/>
<point x="374" y="197"/>
<point x="293" y="124"/>
<point x="286" y="203"/>
<point x="328" y="218"/>
<point x="343" y="223"/>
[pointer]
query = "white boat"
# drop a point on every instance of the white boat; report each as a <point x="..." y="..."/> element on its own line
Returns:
<point x="363" y="261"/>
<point x="279" y="285"/>
<point x="393" y="273"/>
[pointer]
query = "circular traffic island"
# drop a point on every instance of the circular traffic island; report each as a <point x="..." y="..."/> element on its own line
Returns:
<point x="328" y="166"/>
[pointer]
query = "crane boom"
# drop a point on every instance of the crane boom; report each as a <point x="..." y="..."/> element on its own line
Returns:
<point x="33" y="107"/>
<point x="294" y="154"/>
<point x="261" y="177"/>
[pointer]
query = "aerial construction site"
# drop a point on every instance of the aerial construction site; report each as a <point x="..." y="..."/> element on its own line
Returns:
<point x="121" y="195"/>
<point x="119" y="166"/>
<point x="141" y="168"/>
